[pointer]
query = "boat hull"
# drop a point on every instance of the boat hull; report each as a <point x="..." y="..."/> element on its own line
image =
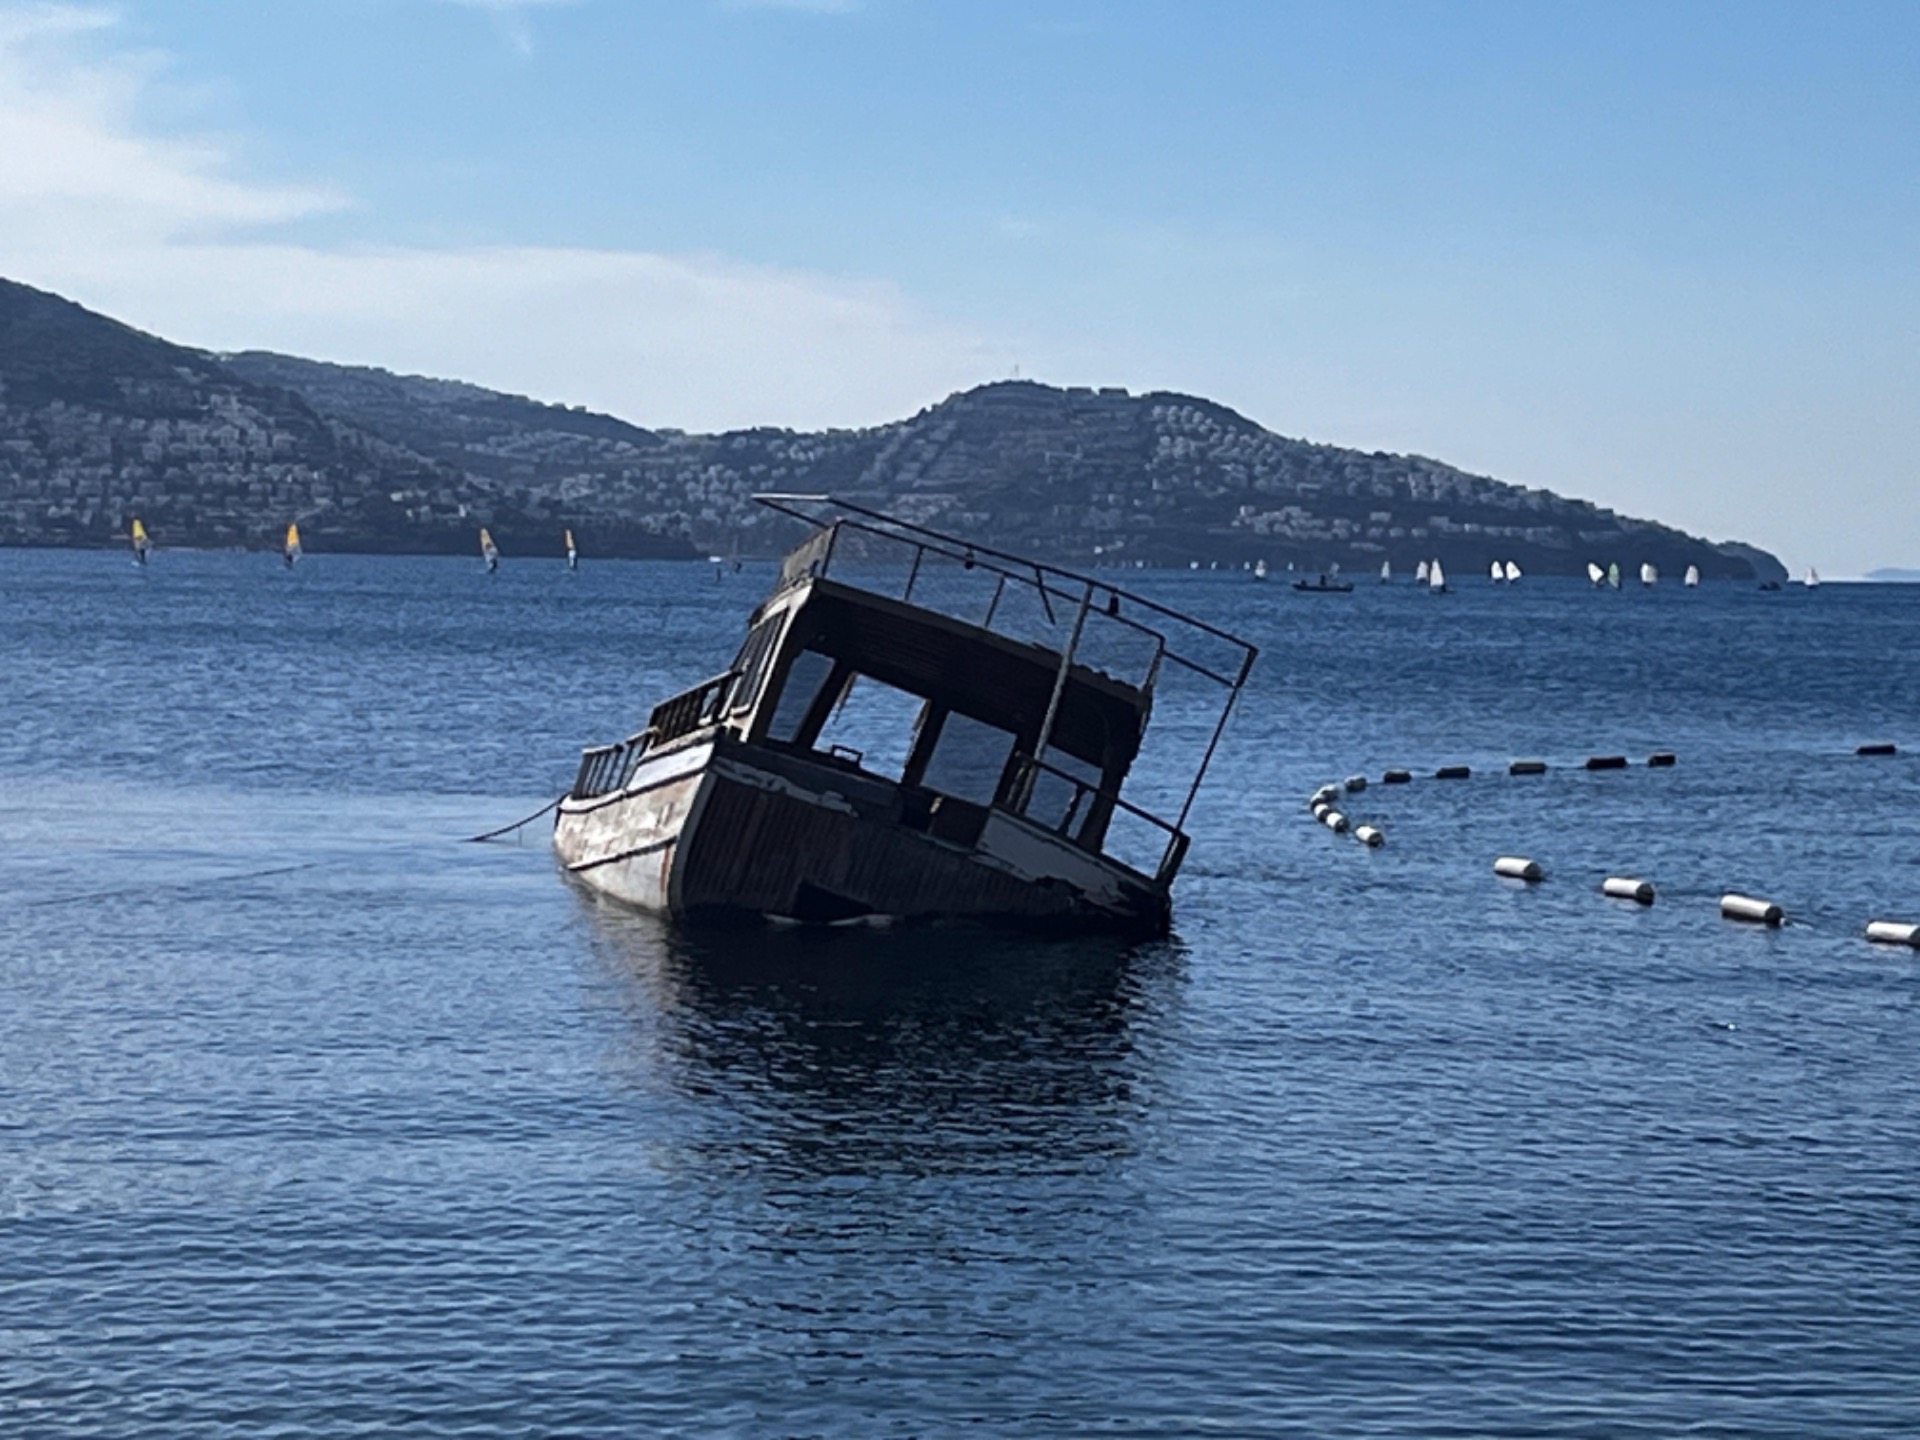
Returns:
<point x="722" y="830"/>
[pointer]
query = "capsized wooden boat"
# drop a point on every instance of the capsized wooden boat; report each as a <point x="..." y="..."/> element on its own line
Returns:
<point x="914" y="728"/>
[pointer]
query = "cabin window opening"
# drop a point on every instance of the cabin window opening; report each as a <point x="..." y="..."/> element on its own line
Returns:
<point x="1054" y="800"/>
<point x="753" y="662"/>
<point x="806" y="677"/>
<point x="874" y="725"/>
<point x="968" y="760"/>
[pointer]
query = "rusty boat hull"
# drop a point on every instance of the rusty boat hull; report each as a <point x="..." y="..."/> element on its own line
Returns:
<point x="725" y="831"/>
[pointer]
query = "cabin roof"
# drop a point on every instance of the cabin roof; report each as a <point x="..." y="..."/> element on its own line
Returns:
<point x="977" y="672"/>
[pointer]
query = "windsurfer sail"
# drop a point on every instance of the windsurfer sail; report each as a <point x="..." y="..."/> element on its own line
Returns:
<point x="290" y="550"/>
<point x="573" y="555"/>
<point x="488" y="552"/>
<point x="140" y="542"/>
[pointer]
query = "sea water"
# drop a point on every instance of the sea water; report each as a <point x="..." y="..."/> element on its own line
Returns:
<point x="315" y="1119"/>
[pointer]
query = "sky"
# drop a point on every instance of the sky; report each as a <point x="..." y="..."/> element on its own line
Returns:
<point x="1665" y="257"/>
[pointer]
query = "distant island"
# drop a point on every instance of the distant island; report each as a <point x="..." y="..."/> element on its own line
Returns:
<point x="1894" y="575"/>
<point x="100" y="422"/>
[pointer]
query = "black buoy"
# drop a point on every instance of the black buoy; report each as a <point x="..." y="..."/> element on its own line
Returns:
<point x="1527" y="767"/>
<point x="1453" y="772"/>
<point x="1606" y="762"/>
<point x="1661" y="759"/>
<point x="1396" y="777"/>
<point x="1882" y="748"/>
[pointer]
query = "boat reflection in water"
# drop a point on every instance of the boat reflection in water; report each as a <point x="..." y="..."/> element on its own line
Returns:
<point x="938" y="1051"/>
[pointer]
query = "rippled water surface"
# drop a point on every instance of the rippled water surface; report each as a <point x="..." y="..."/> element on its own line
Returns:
<point x="314" y="1120"/>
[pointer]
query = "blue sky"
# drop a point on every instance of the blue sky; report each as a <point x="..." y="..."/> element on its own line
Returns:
<point x="1659" y="256"/>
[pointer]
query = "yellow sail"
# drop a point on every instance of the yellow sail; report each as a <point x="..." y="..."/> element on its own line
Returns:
<point x="486" y="540"/>
<point x="293" y="539"/>
<point x="139" y="532"/>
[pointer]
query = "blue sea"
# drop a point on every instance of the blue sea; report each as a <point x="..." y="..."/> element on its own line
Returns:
<point x="317" y="1120"/>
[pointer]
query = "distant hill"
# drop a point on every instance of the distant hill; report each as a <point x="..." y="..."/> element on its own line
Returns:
<point x="1893" y="574"/>
<point x="99" y="422"/>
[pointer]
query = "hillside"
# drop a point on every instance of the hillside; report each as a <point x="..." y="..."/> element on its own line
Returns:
<point x="99" y="422"/>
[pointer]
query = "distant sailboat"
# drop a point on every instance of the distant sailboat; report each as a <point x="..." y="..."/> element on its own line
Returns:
<point x="488" y="552"/>
<point x="1613" y="573"/>
<point x="1436" y="579"/>
<point x="1595" y="575"/>
<point x="1648" y="574"/>
<point x="1693" y="576"/>
<point x="1386" y="571"/>
<point x="1513" y="572"/>
<point x="290" y="548"/>
<point x="1496" y="574"/>
<point x="1420" y="573"/>
<point x="1813" y="578"/>
<point x="573" y="555"/>
<point x="1259" y="569"/>
<point x="140" y="542"/>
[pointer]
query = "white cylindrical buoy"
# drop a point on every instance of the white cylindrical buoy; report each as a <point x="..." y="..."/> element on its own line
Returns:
<point x="1335" y="822"/>
<point x="1745" y="907"/>
<point x="1514" y="867"/>
<point x="1623" y="888"/>
<point x="1322" y="810"/>
<point x="1356" y="783"/>
<point x="1892" y="932"/>
<point x="1368" y="835"/>
<point x="1527" y="767"/>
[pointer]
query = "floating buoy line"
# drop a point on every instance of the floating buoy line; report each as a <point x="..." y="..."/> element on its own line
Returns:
<point x="1746" y="909"/>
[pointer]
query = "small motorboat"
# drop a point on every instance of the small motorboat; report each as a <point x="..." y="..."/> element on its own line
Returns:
<point x="915" y="728"/>
<point x="1324" y="585"/>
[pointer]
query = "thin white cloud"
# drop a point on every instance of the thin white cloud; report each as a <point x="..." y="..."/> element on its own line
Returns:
<point x="510" y="18"/>
<point x="164" y="231"/>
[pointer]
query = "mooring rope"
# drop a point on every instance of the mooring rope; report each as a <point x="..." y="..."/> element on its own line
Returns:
<point x="547" y="808"/>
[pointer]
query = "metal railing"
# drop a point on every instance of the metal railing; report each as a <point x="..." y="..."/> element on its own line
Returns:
<point x="847" y="537"/>
<point x="607" y="768"/>
<point x="693" y="709"/>
<point x="1085" y="794"/>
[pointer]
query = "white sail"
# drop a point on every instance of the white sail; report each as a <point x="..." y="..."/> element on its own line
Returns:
<point x="1513" y="572"/>
<point x="1436" y="577"/>
<point x="1613" y="573"/>
<point x="1595" y="574"/>
<point x="1649" y="575"/>
<point x="1693" y="576"/>
<point x="1386" y="571"/>
<point x="1813" y="577"/>
<point x="1420" y="572"/>
<point x="1495" y="573"/>
<point x="1260" y="570"/>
